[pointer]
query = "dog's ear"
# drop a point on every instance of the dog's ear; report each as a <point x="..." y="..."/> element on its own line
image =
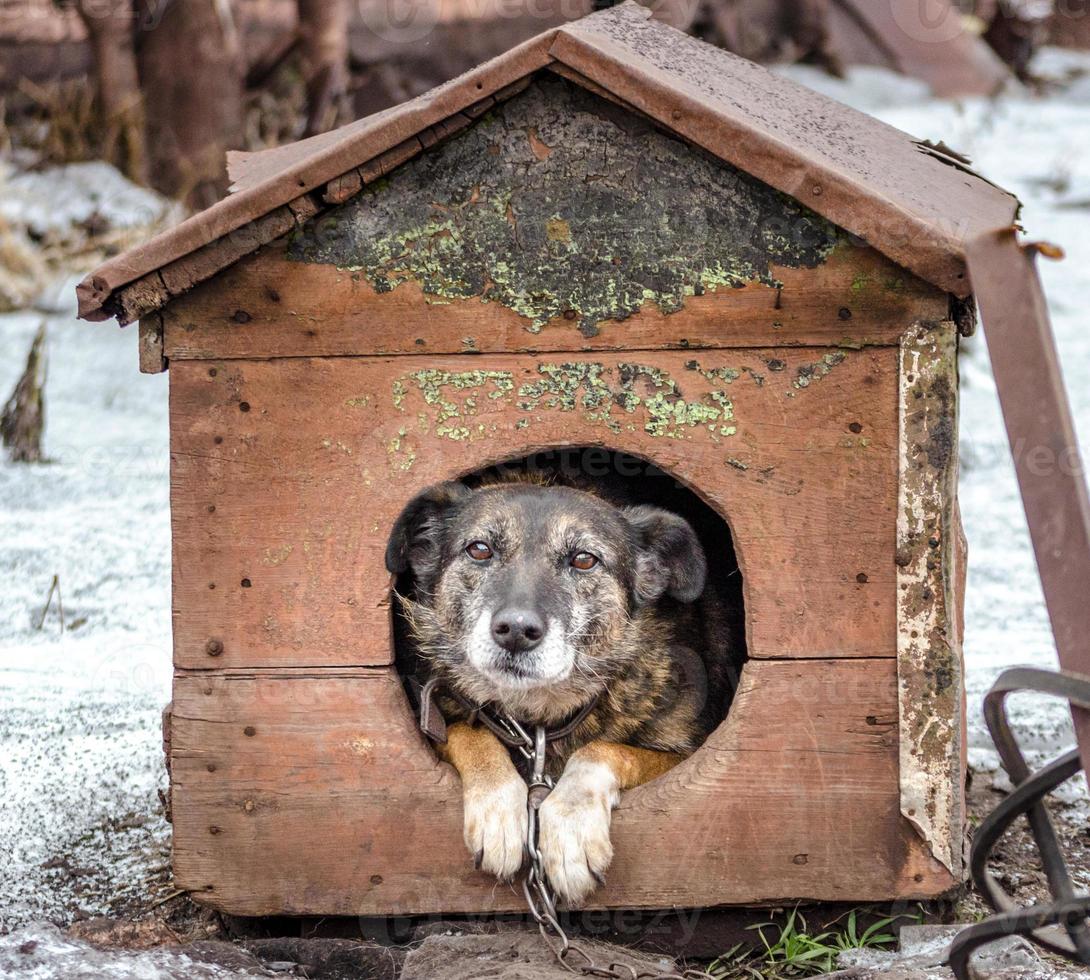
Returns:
<point x="669" y="558"/>
<point x="417" y="533"/>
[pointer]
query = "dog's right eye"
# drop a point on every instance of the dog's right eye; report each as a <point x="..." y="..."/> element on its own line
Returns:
<point x="479" y="551"/>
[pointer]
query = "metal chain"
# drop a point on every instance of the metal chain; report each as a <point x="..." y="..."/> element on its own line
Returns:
<point x="540" y="899"/>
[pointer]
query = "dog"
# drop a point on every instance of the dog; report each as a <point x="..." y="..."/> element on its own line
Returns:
<point x="537" y="600"/>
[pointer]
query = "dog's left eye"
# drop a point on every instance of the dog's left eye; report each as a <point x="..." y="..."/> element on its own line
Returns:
<point x="584" y="561"/>
<point x="479" y="551"/>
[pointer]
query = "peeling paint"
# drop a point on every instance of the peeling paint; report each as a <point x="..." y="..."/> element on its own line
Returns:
<point x="929" y="664"/>
<point x="615" y="215"/>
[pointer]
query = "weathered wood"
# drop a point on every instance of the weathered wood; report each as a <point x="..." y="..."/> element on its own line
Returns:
<point x="930" y="670"/>
<point x="644" y="298"/>
<point x="267" y="306"/>
<point x="140" y="298"/>
<point x="287" y="475"/>
<point x="313" y="792"/>
<point x="150" y="342"/>
<point x="156" y="289"/>
<point x="520" y="234"/>
<point x="526" y="212"/>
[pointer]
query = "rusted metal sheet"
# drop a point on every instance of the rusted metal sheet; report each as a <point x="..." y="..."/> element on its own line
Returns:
<point x="876" y="182"/>
<point x="929" y="663"/>
<point x="1043" y="442"/>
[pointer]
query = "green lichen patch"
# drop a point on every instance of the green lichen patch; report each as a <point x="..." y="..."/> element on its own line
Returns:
<point x="452" y="395"/>
<point x="726" y="375"/>
<point x="559" y="204"/>
<point x="610" y="395"/>
<point x="401" y="453"/>
<point x="807" y="374"/>
<point x="627" y="396"/>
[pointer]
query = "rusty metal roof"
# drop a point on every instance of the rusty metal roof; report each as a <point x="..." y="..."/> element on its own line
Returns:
<point x="916" y="204"/>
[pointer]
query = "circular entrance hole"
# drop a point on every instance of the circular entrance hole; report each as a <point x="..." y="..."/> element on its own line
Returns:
<point x="706" y="646"/>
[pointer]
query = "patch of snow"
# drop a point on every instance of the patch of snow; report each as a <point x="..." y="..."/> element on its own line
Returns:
<point x="43" y="952"/>
<point x="80" y="762"/>
<point x="58" y="198"/>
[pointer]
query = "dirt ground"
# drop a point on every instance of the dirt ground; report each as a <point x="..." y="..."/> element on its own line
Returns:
<point x="1015" y="860"/>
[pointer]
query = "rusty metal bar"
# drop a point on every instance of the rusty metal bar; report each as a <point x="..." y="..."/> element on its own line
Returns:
<point x="1063" y="926"/>
<point x="1042" y="439"/>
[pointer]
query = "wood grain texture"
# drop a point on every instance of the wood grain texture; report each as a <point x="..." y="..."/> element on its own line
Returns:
<point x="287" y="475"/>
<point x="312" y="793"/>
<point x="267" y="306"/>
<point x="150" y="344"/>
<point x="929" y="591"/>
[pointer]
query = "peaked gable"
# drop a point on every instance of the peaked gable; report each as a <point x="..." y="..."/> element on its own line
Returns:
<point x="918" y="205"/>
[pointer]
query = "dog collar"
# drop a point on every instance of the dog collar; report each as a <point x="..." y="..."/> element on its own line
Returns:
<point x="506" y="729"/>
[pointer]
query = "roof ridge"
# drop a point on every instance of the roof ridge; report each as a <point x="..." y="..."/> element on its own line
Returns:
<point x="852" y="169"/>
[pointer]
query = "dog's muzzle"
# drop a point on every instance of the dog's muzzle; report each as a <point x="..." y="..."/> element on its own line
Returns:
<point x="530" y="653"/>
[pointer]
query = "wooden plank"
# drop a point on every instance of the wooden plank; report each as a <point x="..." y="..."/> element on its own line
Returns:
<point x="287" y="475"/>
<point x="150" y="345"/>
<point x="268" y="306"/>
<point x="158" y="288"/>
<point x="313" y="793"/>
<point x="929" y="595"/>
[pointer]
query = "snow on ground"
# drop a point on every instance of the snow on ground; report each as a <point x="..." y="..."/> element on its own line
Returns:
<point x="80" y="758"/>
<point x="63" y="198"/>
<point x="43" y="952"/>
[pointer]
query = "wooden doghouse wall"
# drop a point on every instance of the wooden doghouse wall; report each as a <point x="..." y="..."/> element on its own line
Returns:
<point x="561" y="274"/>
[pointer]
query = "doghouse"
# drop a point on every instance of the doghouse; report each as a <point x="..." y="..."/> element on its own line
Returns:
<point x="613" y="236"/>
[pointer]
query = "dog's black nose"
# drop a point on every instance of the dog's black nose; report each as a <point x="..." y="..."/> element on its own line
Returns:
<point x="517" y="630"/>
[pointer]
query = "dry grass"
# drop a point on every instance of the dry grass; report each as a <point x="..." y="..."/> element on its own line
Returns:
<point x="57" y="122"/>
<point x="23" y="269"/>
<point x="275" y="113"/>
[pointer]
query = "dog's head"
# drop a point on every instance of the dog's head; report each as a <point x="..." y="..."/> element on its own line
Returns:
<point x="523" y="587"/>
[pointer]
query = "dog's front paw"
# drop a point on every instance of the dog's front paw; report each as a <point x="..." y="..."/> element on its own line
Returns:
<point x="495" y="826"/>
<point x="574" y="835"/>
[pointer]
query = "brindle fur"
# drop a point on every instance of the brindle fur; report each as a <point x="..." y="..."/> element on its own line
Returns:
<point x="652" y="640"/>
